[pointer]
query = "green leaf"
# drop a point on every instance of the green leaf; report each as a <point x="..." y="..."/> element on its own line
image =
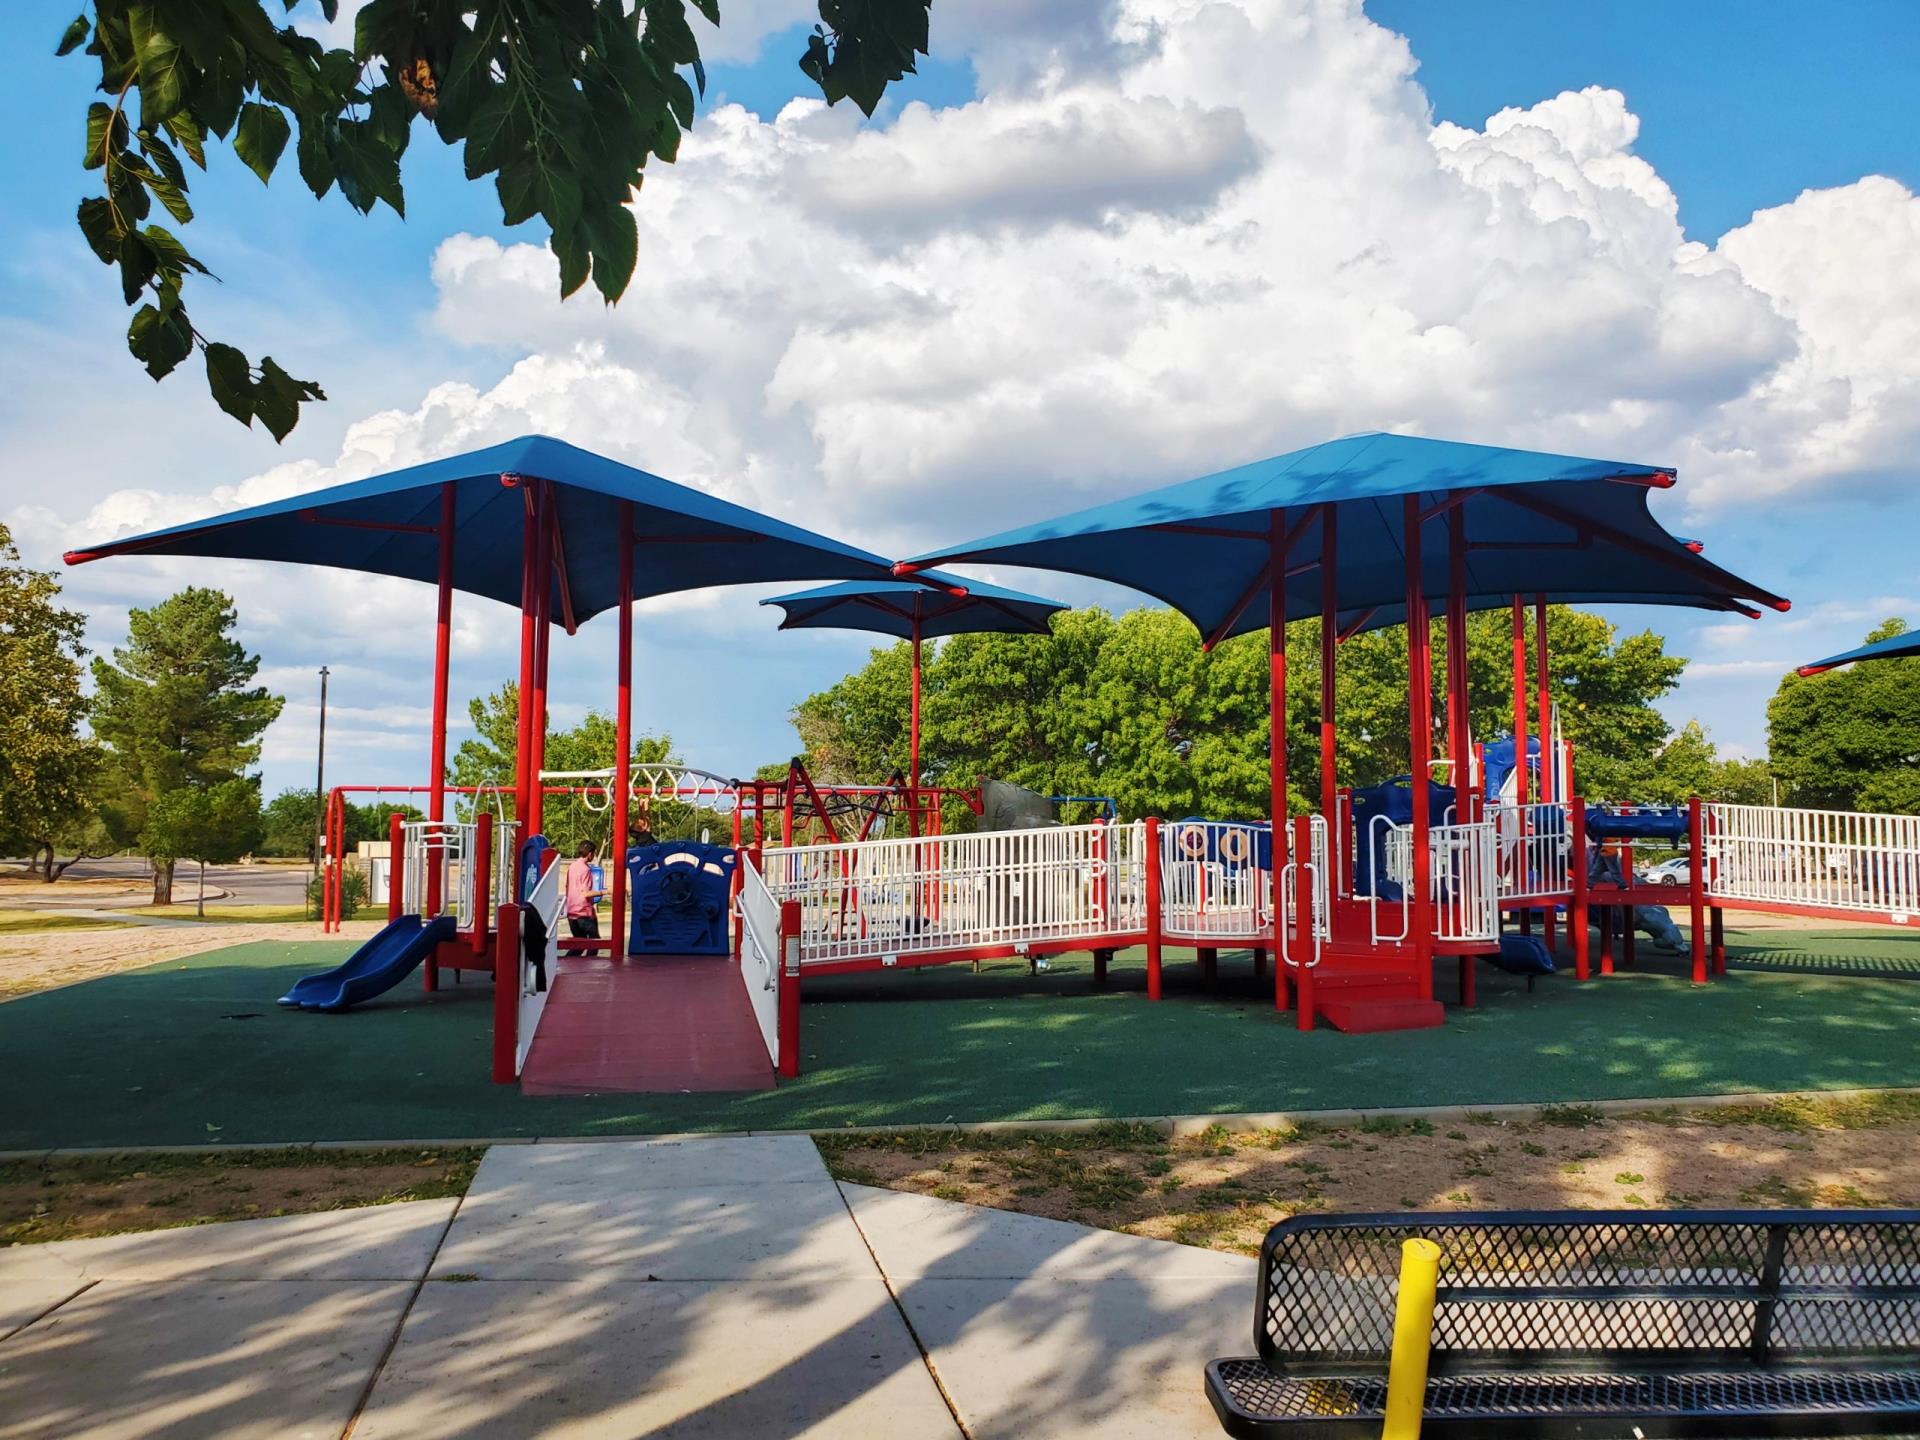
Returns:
<point x="616" y="249"/>
<point x="230" y="378"/>
<point x="495" y="132"/>
<point x="261" y="136"/>
<point x="161" y="153"/>
<point x="162" y="66"/>
<point x="169" y="195"/>
<point x="710" y="9"/>
<point x="160" y="339"/>
<point x="570" y="247"/>
<point x="137" y="264"/>
<point x="102" y="230"/>
<point x="190" y="136"/>
<point x="75" y="34"/>
<point x="102" y="118"/>
<point x="172" y="256"/>
<point x="217" y="99"/>
<point x="317" y="165"/>
<point x="278" y="397"/>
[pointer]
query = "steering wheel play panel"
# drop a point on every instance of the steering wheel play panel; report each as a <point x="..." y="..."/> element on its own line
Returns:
<point x="681" y="890"/>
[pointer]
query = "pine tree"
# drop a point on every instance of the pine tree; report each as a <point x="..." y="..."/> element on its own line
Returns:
<point x="177" y="709"/>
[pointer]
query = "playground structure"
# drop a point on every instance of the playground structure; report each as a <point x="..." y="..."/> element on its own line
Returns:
<point x="1351" y="904"/>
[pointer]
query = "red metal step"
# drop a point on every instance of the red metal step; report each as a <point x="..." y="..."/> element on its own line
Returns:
<point x="1358" y="1016"/>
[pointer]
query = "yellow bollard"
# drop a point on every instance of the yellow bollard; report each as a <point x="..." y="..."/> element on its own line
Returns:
<point x="1412" y="1340"/>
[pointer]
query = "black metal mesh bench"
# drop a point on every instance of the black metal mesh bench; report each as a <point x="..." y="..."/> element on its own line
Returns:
<point x="1590" y="1323"/>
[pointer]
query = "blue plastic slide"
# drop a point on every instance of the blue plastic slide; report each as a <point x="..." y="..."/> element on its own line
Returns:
<point x="377" y="966"/>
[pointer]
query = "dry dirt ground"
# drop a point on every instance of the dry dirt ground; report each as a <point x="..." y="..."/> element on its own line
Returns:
<point x="72" y="1198"/>
<point x="1224" y="1189"/>
<point x="30" y="962"/>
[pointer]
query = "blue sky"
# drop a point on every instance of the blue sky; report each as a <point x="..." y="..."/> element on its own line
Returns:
<point x="968" y="315"/>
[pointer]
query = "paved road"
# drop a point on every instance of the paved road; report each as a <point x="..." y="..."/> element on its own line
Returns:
<point x="246" y="884"/>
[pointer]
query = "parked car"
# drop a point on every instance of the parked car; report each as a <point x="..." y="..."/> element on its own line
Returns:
<point x="1675" y="872"/>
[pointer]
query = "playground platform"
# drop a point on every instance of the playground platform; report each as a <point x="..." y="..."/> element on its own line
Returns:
<point x="668" y="1288"/>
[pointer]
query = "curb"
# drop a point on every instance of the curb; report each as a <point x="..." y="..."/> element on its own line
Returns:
<point x="1172" y="1126"/>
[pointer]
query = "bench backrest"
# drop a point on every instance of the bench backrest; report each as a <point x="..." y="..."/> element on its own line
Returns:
<point x="1583" y="1289"/>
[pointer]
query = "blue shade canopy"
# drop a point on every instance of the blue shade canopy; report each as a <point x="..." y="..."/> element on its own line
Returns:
<point x="1894" y="647"/>
<point x="1557" y="525"/>
<point x="683" y="539"/>
<point x="944" y="605"/>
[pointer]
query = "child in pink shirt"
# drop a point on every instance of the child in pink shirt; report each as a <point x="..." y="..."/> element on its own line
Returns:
<point x="582" y="918"/>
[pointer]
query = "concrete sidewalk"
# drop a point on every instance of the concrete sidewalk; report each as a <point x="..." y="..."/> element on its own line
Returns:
<point x="722" y="1287"/>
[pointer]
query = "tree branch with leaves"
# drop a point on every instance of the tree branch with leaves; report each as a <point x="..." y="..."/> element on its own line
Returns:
<point x="562" y="102"/>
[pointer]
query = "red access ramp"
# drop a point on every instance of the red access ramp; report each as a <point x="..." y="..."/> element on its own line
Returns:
<point x="646" y="1025"/>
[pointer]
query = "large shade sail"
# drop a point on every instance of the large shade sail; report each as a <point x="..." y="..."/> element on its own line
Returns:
<point x="942" y="605"/>
<point x="1894" y="647"/>
<point x="683" y="539"/>
<point x="1533" y="523"/>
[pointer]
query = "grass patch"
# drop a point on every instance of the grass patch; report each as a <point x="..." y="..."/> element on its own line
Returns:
<point x="1801" y="1113"/>
<point x="17" y="922"/>
<point x="243" y="914"/>
<point x="71" y="1198"/>
<point x="1570" y="1117"/>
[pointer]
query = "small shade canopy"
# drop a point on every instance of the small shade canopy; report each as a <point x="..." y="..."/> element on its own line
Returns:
<point x="387" y="525"/>
<point x="943" y="604"/>
<point x="1534" y="524"/>
<point x="1894" y="647"/>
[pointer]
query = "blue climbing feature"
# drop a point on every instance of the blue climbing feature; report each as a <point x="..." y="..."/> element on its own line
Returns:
<point x="681" y="891"/>
<point x="1394" y="802"/>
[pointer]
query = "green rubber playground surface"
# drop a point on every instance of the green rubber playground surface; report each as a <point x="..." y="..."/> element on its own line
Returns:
<point x="194" y="1051"/>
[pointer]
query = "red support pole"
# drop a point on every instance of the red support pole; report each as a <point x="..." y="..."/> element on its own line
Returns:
<point x="506" y="996"/>
<point x="1277" y="679"/>
<point x="1420" y="715"/>
<point x="913" y="733"/>
<point x="1153" y="906"/>
<point x="788" y="1007"/>
<point x="482" y="862"/>
<point x="1329" y="644"/>
<point x="442" y="650"/>
<point x="1543" y="702"/>
<point x="542" y="646"/>
<point x="623" y="740"/>
<point x="1520" y="762"/>
<point x="1577" y="912"/>
<point x="1459" y="731"/>
<point x="1697" y="891"/>
<point x="396" y="866"/>
<point x="529" y="609"/>
<point x="1303" y="919"/>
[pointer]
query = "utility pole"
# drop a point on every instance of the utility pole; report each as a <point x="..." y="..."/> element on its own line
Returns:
<point x="320" y="781"/>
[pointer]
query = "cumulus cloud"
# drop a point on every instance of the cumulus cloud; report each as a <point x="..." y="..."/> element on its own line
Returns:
<point x="1168" y="235"/>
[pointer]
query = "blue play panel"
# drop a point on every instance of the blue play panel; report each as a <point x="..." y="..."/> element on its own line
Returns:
<point x="680" y="892"/>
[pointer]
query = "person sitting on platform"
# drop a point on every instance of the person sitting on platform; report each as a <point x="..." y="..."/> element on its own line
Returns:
<point x="583" y="919"/>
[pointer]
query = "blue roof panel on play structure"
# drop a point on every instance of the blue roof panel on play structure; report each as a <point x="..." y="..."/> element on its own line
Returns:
<point x="889" y="607"/>
<point x="1894" y="647"/>
<point x="1535" y="523"/>
<point x="385" y="525"/>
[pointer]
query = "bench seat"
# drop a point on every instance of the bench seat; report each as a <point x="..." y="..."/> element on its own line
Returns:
<point x="1590" y="1323"/>
<point x="1253" y="1401"/>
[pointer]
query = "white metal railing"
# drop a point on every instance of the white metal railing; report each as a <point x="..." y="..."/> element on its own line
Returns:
<point x="1465" y="882"/>
<point x="1390" y="859"/>
<point x="1320" y="917"/>
<point x="1211" y="884"/>
<point x="1824" y="859"/>
<point x="1535" y="851"/>
<point x="760" y="956"/>
<point x="445" y="846"/>
<point x="888" y="898"/>
<point x="545" y="902"/>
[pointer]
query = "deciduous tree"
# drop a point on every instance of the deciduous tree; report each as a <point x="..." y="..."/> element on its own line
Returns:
<point x="47" y="766"/>
<point x="209" y="824"/>
<point x="562" y="102"/>
<point x="1850" y="739"/>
